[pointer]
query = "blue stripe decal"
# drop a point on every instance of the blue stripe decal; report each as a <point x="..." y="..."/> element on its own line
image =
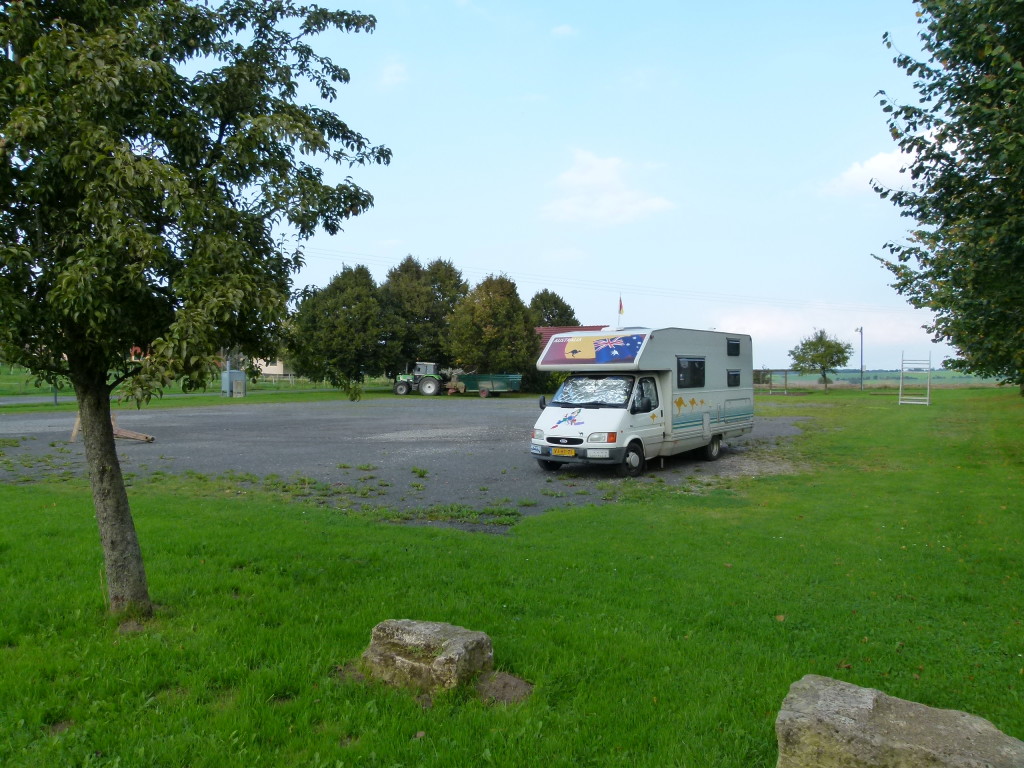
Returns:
<point x="690" y="421"/>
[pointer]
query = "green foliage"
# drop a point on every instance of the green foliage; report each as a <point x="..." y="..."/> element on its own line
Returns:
<point x="550" y="309"/>
<point x="965" y="146"/>
<point x="154" y="162"/>
<point x="149" y="149"/>
<point x="421" y="300"/>
<point x="492" y="330"/>
<point x="335" y="333"/>
<point x="820" y="353"/>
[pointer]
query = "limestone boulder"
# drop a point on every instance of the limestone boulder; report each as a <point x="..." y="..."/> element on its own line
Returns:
<point x="826" y="723"/>
<point x="426" y="655"/>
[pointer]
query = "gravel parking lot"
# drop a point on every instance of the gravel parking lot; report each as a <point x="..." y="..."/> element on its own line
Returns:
<point x="404" y="453"/>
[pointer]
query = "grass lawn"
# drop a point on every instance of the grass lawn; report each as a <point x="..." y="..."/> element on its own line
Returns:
<point x="662" y="630"/>
<point x="16" y="383"/>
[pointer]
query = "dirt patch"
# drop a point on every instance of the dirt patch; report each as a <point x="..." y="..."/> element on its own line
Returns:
<point x="752" y="465"/>
<point x="503" y="688"/>
<point x="55" y="729"/>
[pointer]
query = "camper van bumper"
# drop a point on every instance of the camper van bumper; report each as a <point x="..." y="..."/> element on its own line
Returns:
<point x="582" y="455"/>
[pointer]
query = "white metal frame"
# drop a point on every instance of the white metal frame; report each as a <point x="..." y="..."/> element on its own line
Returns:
<point x="909" y="393"/>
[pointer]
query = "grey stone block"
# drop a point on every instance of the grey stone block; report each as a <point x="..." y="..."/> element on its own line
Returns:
<point x="426" y="655"/>
<point x="826" y="723"/>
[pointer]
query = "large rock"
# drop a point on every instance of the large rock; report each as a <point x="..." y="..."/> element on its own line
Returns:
<point x="826" y="723"/>
<point x="427" y="655"/>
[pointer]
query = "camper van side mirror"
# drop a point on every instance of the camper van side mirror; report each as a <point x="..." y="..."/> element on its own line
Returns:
<point x="543" y="402"/>
<point x="641" y="405"/>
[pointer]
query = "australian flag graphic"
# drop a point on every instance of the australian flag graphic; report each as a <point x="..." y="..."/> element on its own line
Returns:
<point x="617" y="349"/>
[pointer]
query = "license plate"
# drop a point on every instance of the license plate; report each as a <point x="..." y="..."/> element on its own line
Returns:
<point x="563" y="451"/>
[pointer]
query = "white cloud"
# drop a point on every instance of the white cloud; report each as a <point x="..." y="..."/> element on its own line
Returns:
<point x="883" y="168"/>
<point x="594" y="190"/>
<point x="393" y="74"/>
<point x="564" y="30"/>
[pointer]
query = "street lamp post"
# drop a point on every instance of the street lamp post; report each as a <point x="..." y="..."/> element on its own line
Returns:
<point x="861" y="332"/>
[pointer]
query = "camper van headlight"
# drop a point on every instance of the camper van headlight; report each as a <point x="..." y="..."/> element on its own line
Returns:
<point x="537" y="434"/>
<point x="601" y="437"/>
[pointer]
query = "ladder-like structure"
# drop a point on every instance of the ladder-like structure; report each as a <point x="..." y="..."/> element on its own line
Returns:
<point x="912" y="390"/>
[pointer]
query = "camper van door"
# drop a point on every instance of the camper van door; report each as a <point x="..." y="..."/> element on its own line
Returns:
<point x="647" y="414"/>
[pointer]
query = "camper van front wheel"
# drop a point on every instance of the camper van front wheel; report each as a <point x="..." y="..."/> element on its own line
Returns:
<point x="633" y="463"/>
<point x="713" y="449"/>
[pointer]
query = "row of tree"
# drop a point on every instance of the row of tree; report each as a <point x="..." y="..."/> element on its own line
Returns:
<point x="352" y="328"/>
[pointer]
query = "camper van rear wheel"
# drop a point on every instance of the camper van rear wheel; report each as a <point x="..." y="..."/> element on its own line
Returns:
<point x="548" y="466"/>
<point x="713" y="449"/>
<point x="633" y="463"/>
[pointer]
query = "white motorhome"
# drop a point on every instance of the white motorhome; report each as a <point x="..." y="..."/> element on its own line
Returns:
<point x="635" y="394"/>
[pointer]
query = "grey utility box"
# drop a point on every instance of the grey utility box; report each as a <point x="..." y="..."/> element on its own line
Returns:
<point x="232" y="383"/>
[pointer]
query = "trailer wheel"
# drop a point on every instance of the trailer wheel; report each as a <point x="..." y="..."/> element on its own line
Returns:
<point x="713" y="449"/>
<point x="633" y="463"/>
<point x="548" y="466"/>
<point x="402" y="387"/>
<point x="429" y="387"/>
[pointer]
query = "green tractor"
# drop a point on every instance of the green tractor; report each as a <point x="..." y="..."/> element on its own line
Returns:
<point x="425" y="379"/>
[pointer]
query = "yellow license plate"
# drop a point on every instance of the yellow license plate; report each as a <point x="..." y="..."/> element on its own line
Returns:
<point x="563" y="451"/>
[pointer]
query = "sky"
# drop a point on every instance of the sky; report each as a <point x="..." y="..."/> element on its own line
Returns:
<point x="709" y="163"/>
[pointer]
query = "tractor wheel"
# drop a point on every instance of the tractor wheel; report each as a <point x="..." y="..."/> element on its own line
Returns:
<point x="402" y="387"/>
<point x="429" y="386"/>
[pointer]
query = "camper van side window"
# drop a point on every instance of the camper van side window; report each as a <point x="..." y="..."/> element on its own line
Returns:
<point x="689" y="372"/>
<point x="732" y="378"/>
<point x="732" y="348"/>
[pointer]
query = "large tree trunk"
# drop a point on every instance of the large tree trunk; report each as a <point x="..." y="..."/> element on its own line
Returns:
<point x="126" y="574"/>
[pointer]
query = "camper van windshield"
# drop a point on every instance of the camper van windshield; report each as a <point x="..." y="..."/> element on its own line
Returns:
<point x="594" y="392"/>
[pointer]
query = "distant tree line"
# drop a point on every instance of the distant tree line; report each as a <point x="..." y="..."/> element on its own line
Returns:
<point x="353" y="328"/>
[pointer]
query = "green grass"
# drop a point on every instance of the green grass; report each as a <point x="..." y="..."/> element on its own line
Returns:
<point x="662" y="629"/>
<point x="883" y="379"/>
<point x="17" y="383"/>
<point x="17" y="386"/>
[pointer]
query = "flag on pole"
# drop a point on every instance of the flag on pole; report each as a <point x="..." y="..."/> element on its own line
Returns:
<point x="621" y="310"/>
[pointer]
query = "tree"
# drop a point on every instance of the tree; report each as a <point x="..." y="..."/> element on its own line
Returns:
<point x="492" y="330"/>
<point x="153" y="157"/>
<point x="550" y="309"/>
<point x="336" y="332"/>
<point x="421" y="300"/>
<point x="448" y="290"/>
<point x="965" y="147"/>
<point x="820" y="353"/>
